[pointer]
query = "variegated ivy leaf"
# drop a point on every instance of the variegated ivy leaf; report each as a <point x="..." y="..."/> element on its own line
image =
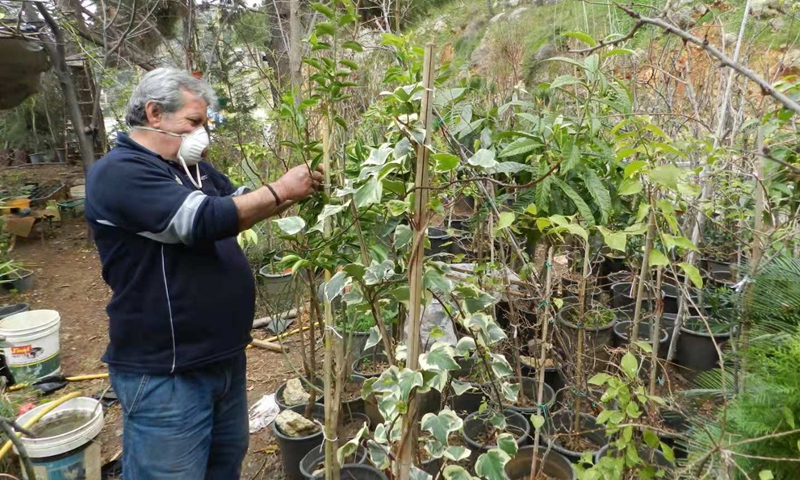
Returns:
<point x="402" y="236"/>
<point x="500" y="365"/>
<point x="465" y="346"/>
<point x="378" y="272"/>
<point x="417" y="474"/>
<point x="506" y="443"/>
<point x="434" y="448"/>
<point x="378" y="156"/>
<point x="378" y="455"/>
<point x="381" y="434"/>
<point x="510" y="391"/>
<point x="401" y="352"/>
<point x="498" y="420"/>
<point x="484" y="326"/>
<point x="374" y="337"/>
<point x="290" y="225"/>
<point x="407" y="380"/>
<point x="327" y="211"/>
<point x="454" y="472"/>
<point x="353" y="296"/>
<point x="492" y="464"/>
<point x="460" y="387"/>
<point x="336" y="285"/>
<point x="351" y="446"/>
<point x="433" y="380"/>
<point x="457" y="453"/>
<point x="440" y="425"/>
<point x="388" y="406"/>
<point x="440" y="358"/>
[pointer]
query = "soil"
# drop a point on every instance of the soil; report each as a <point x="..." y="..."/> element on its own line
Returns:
<point x="352" y="391"/>
<point x="489" y="436"/>
<point x="350" y="428"/>
<point x="68" y="279"/>
<point x="578" y="443"/>
<point x="373" y="367"/>
<point x="454" y="440"/>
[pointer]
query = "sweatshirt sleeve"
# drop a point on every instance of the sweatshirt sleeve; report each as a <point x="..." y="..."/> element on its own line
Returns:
<point x="137" y="196"/>
<point x="222" y="182"/>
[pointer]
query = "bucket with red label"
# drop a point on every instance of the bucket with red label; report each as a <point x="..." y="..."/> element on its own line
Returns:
<point x="31" y="344"/>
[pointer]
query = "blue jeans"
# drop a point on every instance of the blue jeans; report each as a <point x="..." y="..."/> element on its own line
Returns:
<point x="192" y="425"/>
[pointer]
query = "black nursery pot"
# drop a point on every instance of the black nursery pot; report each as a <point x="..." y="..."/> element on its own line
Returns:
<point x="357" y="365"/>
<point x="470" y="400"/>
<point x="622" y="333"/>
<point x="552" y="376"/>
<point x="561" y="424"/>
<point x="624" y="299"/>
<point x="356" y="405"/>
<point x="671" y="303"/>
<point x="438" y="237"/>
<point x="696" y="350"/>
<point x="553" y="464"/>
<point x="8" y="310"/>
<point x="530" y="389"/>
<point x="279" y="394"/>
<point x="316" y="457"/>
<point x="294" y="449"/>
<point x="361" y="472"/>
<point x="478" y="423"/>
<point x="597" y="339"/>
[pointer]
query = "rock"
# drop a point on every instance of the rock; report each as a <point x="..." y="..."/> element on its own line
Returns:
<point x="497" y="17"/>
<point x="292" y="424"/>
<point x="479" y="54"/>
<point x="548" y="50"/>
<point x="294" y="393"/>
<point x="517" y="14"/>
<point x="778" y="23"/>
<point x="440" y="26"/>
<point x="473" y="28"/>
<point x="730" y="38"/>
<point x="765" y="8"/>
<point x="682" y="18"/>
<point x="513" y="3"/>
<point x="792" y="58"/>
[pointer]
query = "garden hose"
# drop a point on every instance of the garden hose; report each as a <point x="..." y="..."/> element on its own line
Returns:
<point x="48" y="408"/>
<point x="79" y="378"/>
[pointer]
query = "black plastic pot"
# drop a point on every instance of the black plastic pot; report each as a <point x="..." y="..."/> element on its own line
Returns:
<point x="530" y="388"/>
<point x="622" y="332"/>
<point x="650" y="457"/>
<point x="379" y="356"/>
<point x="524" y="309"/>
<point x="470" y="400"/>
<point x="280" y="289"/>
<point x="624" y="299"/>
<point x="354" y="417"/>
<point x="677" y="441"/>
<point x="596" y="339"/>
<point x="22" y="282"/>
<point x="477" y="423"/>
<point x="696" y="350"/>
<point x="279" y="394"/>
<point x="670" y="294"/>
<point x="315" y="457"/>
<point x="357" y="405"/>
<point x="553" y="464"/>
<point x="552" y="376"/>
<point x="361" y="472"/>
<point x="561" y="424"/>
<point x="718" y="270"/>
<point x="294" y="449"/>
<point x="438" y="237"/>
<point x="668" y="324"/>
<point x="8" y="310"/>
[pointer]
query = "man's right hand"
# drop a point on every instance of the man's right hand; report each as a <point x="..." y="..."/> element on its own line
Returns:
<point x="299" y="183"/>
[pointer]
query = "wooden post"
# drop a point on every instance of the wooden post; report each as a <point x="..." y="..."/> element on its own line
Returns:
<point x="579" y="374"/>
<point x="408" y="438"/>
<point x="540" y="367"/>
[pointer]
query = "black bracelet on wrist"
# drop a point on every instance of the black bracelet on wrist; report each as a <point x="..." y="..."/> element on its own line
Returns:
<point x="277" y="198"/>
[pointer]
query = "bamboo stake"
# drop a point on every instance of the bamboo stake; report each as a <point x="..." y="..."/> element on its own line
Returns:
<point x="576" y="424"/>
<point x="540" y="368"/>
<point x="643" y="275"/>
<point x="408" y="438"/>
<point x="331" y="408"/>
<point x="655" y="334"/>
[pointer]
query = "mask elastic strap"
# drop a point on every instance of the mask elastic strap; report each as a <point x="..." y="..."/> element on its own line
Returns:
<point x="151" y="129"/>
<point x="198" y="183"/>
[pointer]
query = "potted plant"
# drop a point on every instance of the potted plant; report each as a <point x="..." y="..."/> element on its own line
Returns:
<point x="15" y="277"/>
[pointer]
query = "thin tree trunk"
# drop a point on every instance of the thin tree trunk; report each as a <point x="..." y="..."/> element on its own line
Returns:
<point x="295" y="46"/>
<point x="540" y="367"/>
<point x="579" y="368"/>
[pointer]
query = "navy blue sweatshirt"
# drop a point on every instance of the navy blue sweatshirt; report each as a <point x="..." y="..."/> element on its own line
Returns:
<point x="184" y="294"/>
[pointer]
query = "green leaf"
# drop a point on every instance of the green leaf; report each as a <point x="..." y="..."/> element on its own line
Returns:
<point x="571" y="159"/>
<point x="354" y="46"/>
<point x="577" y="200"/>
<point x="666" y="176"/>
<point x="402" y="236"/>
<point x="290" y="225"/>
<point x="417" y="474"/>
<point x="563" y="81"/>
<point x="374" y="337"/>
<point x="618" y="51"/>
<point x="457" y="453"/>
<point x="506" y="443"/>
<point x="488" y="331"/>
<point x="369" y="194"/>
<point x="614" y="240"/>
<point x="657" y="258"/>
<point x="629" y="365"/>
<point x="765" y="475"/>
<point x="483" y="158"/>
<point x="500" y="366"/>
<point x="629" y="186"/>
<point x="378" y="454"/>
<point x="650" y="438"/>
<point x="349" y="64"/>
<point x="504" y="220"/>
<point x="440" y="425"/>
<point x="323" y="9"/>
<point x="599" y="193"/>
<point x="693" y="273"/>
<point x="440" y="358"/>
<point x="669" y="454"/>
<point x="325" y="28"/>
<point x="788" y="416"/>
<point x="336" y="285"/>
<point x="460" y="387"/>
<point x="492" y="464"/>
<point x="634" y="167"/>
<point x="537" y="421"/>
<point x="584" y="37"/>
<point x="445" y="162"/>
<point x="454" y="472"/>
<point x="520" y="146"/>
<point x="351" y="446"/>
<point x="327" y="211"/>
<point x="600" y="379"/>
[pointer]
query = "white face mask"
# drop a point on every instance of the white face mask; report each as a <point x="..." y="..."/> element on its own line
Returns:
<point x="193" y="148"/>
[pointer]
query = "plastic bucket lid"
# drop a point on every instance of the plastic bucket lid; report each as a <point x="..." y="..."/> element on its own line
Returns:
<point x="44" y="447"/>
<point x="27" y="323"/>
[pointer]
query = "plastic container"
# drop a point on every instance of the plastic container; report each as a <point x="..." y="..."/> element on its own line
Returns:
<point x="294" y="449"/>
<point x="23" y="282"/>
<point x="8" y="310"/>
<point x="696" y="349"/>
<point x="35" y="345"/>
<point x="530" y="388"/>
<point x="553" y="464"/>
<point x="65" y="446"/>
<point x="561" y="423"/>
<point x="316" y="456"/>
<point x="596" y="338"/>
<point x="438" y="237"/>
<point x="279" y="394"/>
<point x="280" y="290"/>
<point x="77" y="192"/>
<point x="352" y="471"/>
<point x="364" y="359"/>
<point x="624" y="299"/>
<point x="622" y="332"/>
<point x="477" y="423"/>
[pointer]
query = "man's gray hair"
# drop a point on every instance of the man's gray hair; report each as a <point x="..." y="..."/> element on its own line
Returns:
<point x="163" y="86"/>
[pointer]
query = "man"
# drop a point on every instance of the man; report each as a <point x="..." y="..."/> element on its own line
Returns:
<point x="165" y="223"/>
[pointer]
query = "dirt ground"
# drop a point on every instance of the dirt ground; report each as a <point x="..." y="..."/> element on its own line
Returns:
<point x="68" y="279"/>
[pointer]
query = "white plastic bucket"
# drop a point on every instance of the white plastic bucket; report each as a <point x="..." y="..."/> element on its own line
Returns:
<point x="35" y="348"/>
<point x="71" y="452"/>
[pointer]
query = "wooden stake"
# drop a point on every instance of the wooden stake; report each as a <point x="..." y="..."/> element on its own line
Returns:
<point x="576" y="421"/>
<point x="408" y="438"/>
<point x="643" y="275"/>
<point x="540" y="367"/>
<point x="655" y="334"/>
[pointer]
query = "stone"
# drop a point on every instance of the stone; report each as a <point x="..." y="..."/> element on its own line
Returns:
<point x="548" y="50"/>
<point x="498" y="17"/>
<point x="517" y="14"/>
<point x="792" y="58"/>
<point x="730" y="38"/>
<point x="513" y="3"/>
<point x="765" y="8"/>
<point x="473" y="28"/>
<point x="294" y="425"/>
<point x="778" y="23"/>
<point x="294" y="393"/>
<point x="440" y="26"/>
<point x="682" y="18"/>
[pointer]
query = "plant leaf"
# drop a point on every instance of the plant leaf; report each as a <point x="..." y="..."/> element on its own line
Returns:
<point x="614" y="240"/>
<point x="492" y="464"/>
<point x="657" y="258"/>
<point x="537" y="421"/>
<point x="506" y="443"/>
<point x="290" y="225"/>
<point x="629" y="365"/>
<point x="504" y="220"/>
<point x="483" y="158"/>
<point x="693" y="273"/>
